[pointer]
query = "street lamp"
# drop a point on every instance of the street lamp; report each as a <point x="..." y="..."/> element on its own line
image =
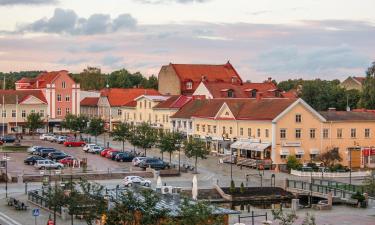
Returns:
<point x="225" y="137"/>
<point x="6" y="159"/>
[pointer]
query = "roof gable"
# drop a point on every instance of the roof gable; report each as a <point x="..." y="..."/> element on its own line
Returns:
<point x="31" y="100"/>
<point x="123" y="96"/>
<point x="225" y="113"/>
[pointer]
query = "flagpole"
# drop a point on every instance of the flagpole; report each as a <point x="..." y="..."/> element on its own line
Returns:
<point x="2" y="115"/>
<point x="16" y="114"/>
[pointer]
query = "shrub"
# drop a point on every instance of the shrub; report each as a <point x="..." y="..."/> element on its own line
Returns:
<point x="293" y="163"/>
<point x="358" y="196"/>
<point x="337" y="167"/>
<point x="242" y="188"/>
<point x="232" y="188"/>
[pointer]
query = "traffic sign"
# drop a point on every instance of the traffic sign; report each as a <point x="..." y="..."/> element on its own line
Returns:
<point x="36" y="212"/>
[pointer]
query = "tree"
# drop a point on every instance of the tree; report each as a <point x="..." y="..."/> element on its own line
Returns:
<point x="293" y="163"/>
<point x="34" y="121"/>
<point x="68" y="121"/>
<point x="330" y="157"/>
<point x="75" y="123"/>
<point x="368" y="92"/>
<point x="369" y="184"/>
<point x="96" y="127"/>
<point x="198" y="213"/>
<point x="121" y="132"/>
<point x="91" y="79"/>
<point x="170" y="142"/>
<point x="143" y="136"/>
<point x="284" y="218"/>
<point x="196" y="148"/>
<point x="56" y="199"/>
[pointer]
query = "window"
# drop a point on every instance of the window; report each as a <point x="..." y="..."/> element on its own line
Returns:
<point x="179" y="124"/>
<point x="145" y="104"/>
<point x="312" y="133"/>
<point x="339" y="133"/>
<point x="209" y="128"/>
<point x="185" y="124"/>
<point x="140" y="116"/>
<point x="367" y="133"/>
<point x="67" y="110"/>
<point x="149" y="117"/>
<point x="135" y="116"/>
<point x="59" y="111"/>
<point x="198" y="127"/>
<point x="189" y="85"/>
<point x="267" y="133"/>
<point x="58" y="97"/>
<point x="156" y="118"/>
<point x="299" y="156"/>
<point x="258" y="132"/>
<point x="167" y="118"/>
<point x="230" y="130"/>
<point x="67" y="98"/>
<point x="32" y="111"/>
<point x="4" y="114"/>
<point x="149" y="105"/>
<point x="353" y="133"/>
<point x="230" y="93"/>
<point x="253" y="94"/>
<point x="313" y="156"/>
<point x="190" y="125"/>
<point x="203" y="128"/>
<point x="214" y="128"/>
<point x="298" y="118"/>
<point x="23" y="113"/>
<point x="41" y="112"/>
<point x="325" y="133"/>
<point x="63" y="84"/>
<point x="224" y="130"/>
<point x="140" y="105"/>
<point x="14" y="113"/>
<point x="119" y="112"/>
<point x="283" y="133"/>
<point x="241" y="131"/>
<point x="283" y="156"/>
<point x="249" y="132"/>
<point x="298" y="133"/>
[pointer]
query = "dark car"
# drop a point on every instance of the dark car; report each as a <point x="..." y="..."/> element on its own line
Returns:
<point x="124" y="157"/>
<point x="113" y="155"/>
<point x="44" y="153"/>
<point x="56" y="156"/>
<point x="39" y="150"/>
<point x="154" y="164"/>
<point x="31" y="160"/>
<point x="8" y="139"/>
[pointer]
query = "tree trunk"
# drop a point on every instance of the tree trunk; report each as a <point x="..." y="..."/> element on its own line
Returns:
<point x="162" y="156"/>
<point x="196" y="162"/>
<point x="170" y="157"/>
<point x="123" y="146"/>
<point x="145" y="152"/>
<point x="96" y="139"/>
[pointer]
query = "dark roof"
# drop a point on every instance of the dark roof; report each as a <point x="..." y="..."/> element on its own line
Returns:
<point x="10" y="96"/>
<point x="348" y="116"/>
<point x="90" y="101"/>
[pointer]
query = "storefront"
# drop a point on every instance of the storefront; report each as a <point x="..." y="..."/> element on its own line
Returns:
<point x="252" y="150"/>
<point x="368" y="157"/>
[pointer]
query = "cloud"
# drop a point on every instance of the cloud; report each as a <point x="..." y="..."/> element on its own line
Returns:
<point x="66" y="21"/>
<point x="170" y="1"/>
<point x="112" y="61"/>
<point x="27" y="2"/>
<point x="71" y="62"/>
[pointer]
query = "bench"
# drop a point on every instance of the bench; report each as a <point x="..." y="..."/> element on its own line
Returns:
<point x="18" y="205"/>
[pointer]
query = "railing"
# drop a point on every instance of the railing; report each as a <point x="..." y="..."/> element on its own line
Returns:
<point x="340" y="185"/>
<point x="40" y="200"/>
<point x="330" y="174"/>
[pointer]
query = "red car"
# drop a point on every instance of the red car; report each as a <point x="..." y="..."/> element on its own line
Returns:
<point x="67" y="161"/>
<point x="105" y="151"/>
<point x="109" y="153"/>
<point x="72" y="143"/>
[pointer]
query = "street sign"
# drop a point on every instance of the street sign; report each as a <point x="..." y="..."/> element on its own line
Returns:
<point x="36" y="212"/>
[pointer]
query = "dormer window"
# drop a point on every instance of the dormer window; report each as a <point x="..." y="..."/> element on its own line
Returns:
<point x="63" y="84"/>
<point x="230" y="93"/>
<point x="277" y="94"/>
<point x="234" y="80"/>
<point x="189" y="85"/>
<point x="253" y="93"/>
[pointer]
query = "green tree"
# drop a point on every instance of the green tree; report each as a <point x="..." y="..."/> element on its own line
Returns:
<point x="75" y="123"/>
<point x="196" y="148"/>
<point x="143" y="136"/>
<point x="369" y="184"/>
<point x="293" y="163"/>
<point x="68" y="121"/>
<point x="56" y="199"/>
<point x="34" y="121"/>
<point x="368" y="92"/>
<point x="284" y="218"/>
<point x="122" y="132"/>
<point x="198" y="213"/>
<point x="91" y="79"/>
<point x="170" y="142"/>
<point x="330" y="157"/>
<point x="96" y="127"/>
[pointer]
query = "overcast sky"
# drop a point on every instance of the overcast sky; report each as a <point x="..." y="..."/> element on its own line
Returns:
<point x="282" y="39"/>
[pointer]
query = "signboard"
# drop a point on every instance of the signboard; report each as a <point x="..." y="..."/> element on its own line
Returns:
<point x="36" y="212"/>
<point x="368" y="151"/>
<point x="291" y="144"/>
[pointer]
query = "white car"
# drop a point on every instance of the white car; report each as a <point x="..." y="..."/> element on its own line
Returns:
<point x="88" y="146"/>
<point x="137" y="160"/>
<point x="94" y="149"/>
<point x="61" y="139"/>
<point x="48" y="164"/>
<point x="45" y="136"/>
<point x="131" y="180"/>
<point x="32" y="149"/>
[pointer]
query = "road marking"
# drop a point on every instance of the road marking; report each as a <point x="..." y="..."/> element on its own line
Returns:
<point x="8" y="219"/>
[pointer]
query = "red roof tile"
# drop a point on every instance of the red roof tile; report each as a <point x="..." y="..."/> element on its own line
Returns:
<point x="90" y="101"/>
<point x="42" y="79"/>
<point x="360" y="79"/>
<point x="10" y="96"/>
<point x="174" y="102"/>
<point x="123" y="96"/>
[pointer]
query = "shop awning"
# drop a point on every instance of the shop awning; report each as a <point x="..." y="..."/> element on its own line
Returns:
<point x="284" y="151"/>
<point x="299" y="151"/>
<point x="314" y="151"/>
<point x="247" y="145"/>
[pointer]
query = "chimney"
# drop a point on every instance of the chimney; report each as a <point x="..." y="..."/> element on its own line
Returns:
<point x="259" y="96"/>
<point x="269" y="80"/>
<point x="203" y="79"/>
<point x="331" y="109"/>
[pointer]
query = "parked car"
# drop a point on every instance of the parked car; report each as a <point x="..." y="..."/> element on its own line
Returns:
<point x="51" y="137"/>
<point x="48" y="164"/>
<point x="32" y="149"/>
<point x="131" y="180"/>
<point x="61" y="139"/>
<point x="67" y="160"/>
<point x="56" y="156"/>
<point x="137" y="160"/>
<point x="44" y="152"/>
<point x="124" y="157"/>
<point x="87" y="147"/>
<point x="153" y="163"/>
<point x="45" y="136"/>
<point x="105" y="151"/>
<point x="95" y="149"/>
<point x="31" y="160"/>
<point x="74" y="143"/>
<point x="38" y="151"/>
<point x="8" y="139"/>
<point x="112" y="155"/>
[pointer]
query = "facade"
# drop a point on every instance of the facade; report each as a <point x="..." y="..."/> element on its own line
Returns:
<point x="351" y="83"/>
<point x="183" y="79"/>
<point x="89" y="107"/>
<point x="17" y="105"/>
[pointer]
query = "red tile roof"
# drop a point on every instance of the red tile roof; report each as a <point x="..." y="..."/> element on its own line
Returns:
<point x="42" y="79"/>
<point x="360" y="79"/>
<point x="174" y="102"/>
<point x="242" y="109"/>
<point x="10" y="96"/>
<point x="123" y="96"/>
<point x="90" y="101"/>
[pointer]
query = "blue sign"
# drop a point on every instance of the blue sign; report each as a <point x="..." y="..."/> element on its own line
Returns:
<point x="36" y="212"/>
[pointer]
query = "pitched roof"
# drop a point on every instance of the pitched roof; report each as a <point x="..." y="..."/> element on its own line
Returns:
<point x="123" y="96"/>
<point x="10" y="96"/>
<point x="90" y="101"/>
<point x="332" y="115"/>
<point x="42" y="79"/>
<point x="242" y="109"/>
<point x="360" y="79"/>
<point x="173" y="102"/>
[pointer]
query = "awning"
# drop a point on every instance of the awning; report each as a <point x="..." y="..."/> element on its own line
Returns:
<point x="247" y="145"/>
<point x="284" y="151"/>
<point x="299" y="151"/>
<point x="314" y="151"/>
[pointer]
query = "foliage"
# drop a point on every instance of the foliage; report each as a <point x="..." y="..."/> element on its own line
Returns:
<point x="289" y="84"/>
<point x="121" y="132"/>
<point x="293" y="163"/>
<point x="232" y="187"/>
<point x="309" y="220"/>
<point x="34" y="121"/>
<point x="96" y="127"/>
<point x="90" y="78"/>
<point x="329" y="158"/>
<point x="242" y="188"/>
<point x="369" y="184"/>
<point x="143" y="136"/>
<point x="368" y="92"/>
<point x="75" y="123"/>
<point x="284" y="218"/>
<point x="170" y="142"/>
<point x="12" y="77"/>
<point x="337" y="168"/>
<point x="358" y="196"/>
<point x="197" y="213"/>
<point x="196" y="148"/>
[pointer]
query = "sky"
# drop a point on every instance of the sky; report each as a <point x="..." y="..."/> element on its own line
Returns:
<point x="282" y="39"/>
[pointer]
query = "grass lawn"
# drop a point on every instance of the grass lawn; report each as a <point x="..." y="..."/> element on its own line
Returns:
<point x="13" y="148"/>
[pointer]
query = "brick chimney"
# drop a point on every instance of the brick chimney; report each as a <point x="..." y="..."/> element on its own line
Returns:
<point x="269" y="80"/>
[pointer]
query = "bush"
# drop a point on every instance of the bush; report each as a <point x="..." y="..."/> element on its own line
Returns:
<point x="232" y="188"/>
<point x="313" y="166"/>
<point x="337" y="167"/>
<point x="242" y="188"/>
<point x="293" y="163"/>
<point x="359" y="197"/>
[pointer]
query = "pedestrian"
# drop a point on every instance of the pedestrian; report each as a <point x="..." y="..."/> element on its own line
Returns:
<point x="75" y="136"/>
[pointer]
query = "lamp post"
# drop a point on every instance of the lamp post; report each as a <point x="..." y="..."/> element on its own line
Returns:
<point x="231" y="155"/>
<point x="6" y="159"/>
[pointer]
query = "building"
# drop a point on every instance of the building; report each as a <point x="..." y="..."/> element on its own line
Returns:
<point x="184" y="79"/>
<point x="61" y="92"/>
<point x="89" y="107"/>
<point x="17" y="105"/>
<point x="355" y="83"/>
